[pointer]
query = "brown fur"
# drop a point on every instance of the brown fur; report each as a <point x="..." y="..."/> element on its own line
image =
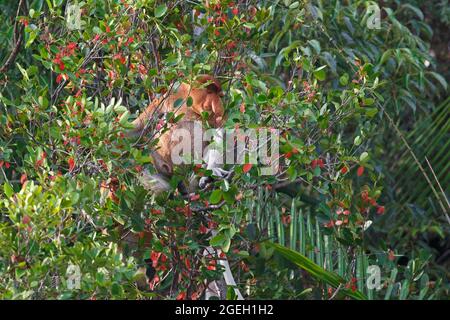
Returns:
<point x="205" y="93"/>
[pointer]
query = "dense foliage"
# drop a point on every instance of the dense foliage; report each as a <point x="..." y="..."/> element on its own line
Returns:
<point x="347" y="98"/>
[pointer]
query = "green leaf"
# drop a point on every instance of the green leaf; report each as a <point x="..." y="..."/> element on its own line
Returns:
<point x="364" y="156"/>
<point x="294" y="5"/>
<point x="36" y="5"/>
<point x="189" y="101"/>
<point x="116" y="289"/>
<point x="371" y="112"/>
<point x="343" y="80"/>
<point x="414" y="9"/>
<point x="23" y="71"/>
<point x="9" y="191"/>
<point x="357" y="141"/>
<point x="57" y="3"/>
<point x="368" y="101"/>
<point x="249" y="25"/>
<point x="160" y="10"/>
<point x="120" y="109"/>
<point x="178" y="103"/>
<point x="386" y="55"/>
<point x="439" y="78"/>
<point x="316" y="271"/>
<point x="217" y="240"/>
<point x="320" y="74"/>
<point x="124" y="117"/>
<point x="216" y="196"/>
<point x="261" y="98"/>
<point x="226" y="244"/>
<point x="315" y="44"/>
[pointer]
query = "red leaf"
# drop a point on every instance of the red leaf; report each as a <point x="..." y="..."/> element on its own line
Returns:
<point x="154" y="282"/>
<point x="194" y="296"/>
<point x="360" y="171"/>
<point x="23" y="178"/>
<point x="320" y="163"/>
<point x="329" y="224"/>
<point x="202" y="229"/>
<point x="71" y="46"/>
<point x="155" y="211"/>
<point x="26" y="219"/>
<point x="212" y="265"/>
<point x="365" y="196"/>
<point x="286" y="219"/>
<point x="380" y="210"/>
<point x="391" y="255"/>
<point x="181" y="295"/>
<point x="155" y="257"/>
<point x="246" y="168"/>
<point x="187" y="263"/>
<point x="71" y="163"/>
<point x="59" y="78"/>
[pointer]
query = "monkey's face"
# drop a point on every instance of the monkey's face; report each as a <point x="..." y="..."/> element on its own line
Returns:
<point x="206" y="100"/>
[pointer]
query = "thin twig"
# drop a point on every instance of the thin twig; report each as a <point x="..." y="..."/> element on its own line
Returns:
<point x="209" y="208"/>
<point x="336" y="292"/>
<point x="440" y="187"/>
<point x="416" y="160"/>
<point x="15" y="51"/>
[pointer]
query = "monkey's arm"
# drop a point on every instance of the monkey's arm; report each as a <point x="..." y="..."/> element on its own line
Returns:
<point x="145" y="117"/>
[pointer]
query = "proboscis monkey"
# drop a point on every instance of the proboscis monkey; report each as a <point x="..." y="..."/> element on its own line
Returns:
<point x="203" y="95"/>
